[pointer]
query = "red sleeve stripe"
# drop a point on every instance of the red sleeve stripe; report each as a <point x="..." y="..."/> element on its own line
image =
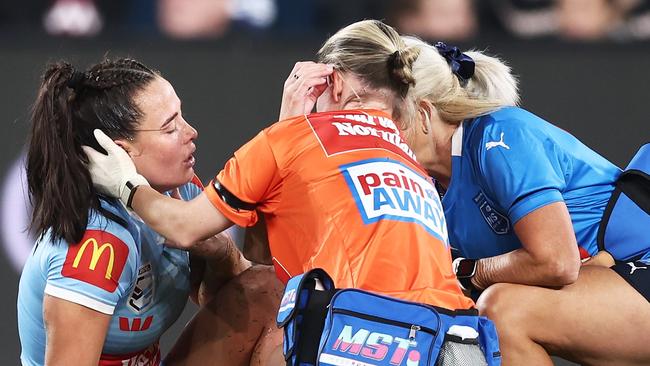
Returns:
<point x="197" y="182"/>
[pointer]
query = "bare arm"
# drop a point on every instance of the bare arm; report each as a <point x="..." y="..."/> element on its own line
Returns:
<point x="548" y="257"/>
<point x="183" y="222"/>
<point x="222" y="261"/>
<point x="75" y="333"/>
<point x="256" y="243"/>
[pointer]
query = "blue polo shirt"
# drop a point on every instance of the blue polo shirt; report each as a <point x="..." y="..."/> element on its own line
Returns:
<point x="509" y="163"/>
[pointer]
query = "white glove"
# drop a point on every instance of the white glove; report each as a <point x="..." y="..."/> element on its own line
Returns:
<point x="113" y="174"/>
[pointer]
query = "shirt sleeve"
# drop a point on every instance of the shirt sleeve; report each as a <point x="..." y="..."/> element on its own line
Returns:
<point x="97" y="271"/>
<point x="521" y="167"/>
<point x="252" y="176"/>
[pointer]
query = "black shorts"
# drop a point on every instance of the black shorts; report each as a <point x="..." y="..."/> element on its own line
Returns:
<point x="637" y="274"/>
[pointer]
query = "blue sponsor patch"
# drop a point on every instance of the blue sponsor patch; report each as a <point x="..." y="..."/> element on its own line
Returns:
<point x="499" y="222"/>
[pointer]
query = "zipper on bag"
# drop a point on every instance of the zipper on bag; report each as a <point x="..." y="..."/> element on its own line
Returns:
<point x="413" y="328"/>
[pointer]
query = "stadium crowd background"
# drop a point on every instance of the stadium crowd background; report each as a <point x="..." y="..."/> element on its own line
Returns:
<point x="582" y="64"/>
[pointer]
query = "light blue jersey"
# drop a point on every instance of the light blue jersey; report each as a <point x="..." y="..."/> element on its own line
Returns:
<point x="509" y="163"/>
<point x="120" y="268"/>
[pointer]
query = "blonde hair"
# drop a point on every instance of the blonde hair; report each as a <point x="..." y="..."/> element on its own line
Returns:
<point x="374" y="52"/>
<point x="491" y="87"/>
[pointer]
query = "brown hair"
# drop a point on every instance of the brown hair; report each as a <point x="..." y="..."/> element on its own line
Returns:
<point x="69" y="106"/>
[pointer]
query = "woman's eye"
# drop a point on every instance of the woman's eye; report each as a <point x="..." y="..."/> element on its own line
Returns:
<point x="173" y="128"/>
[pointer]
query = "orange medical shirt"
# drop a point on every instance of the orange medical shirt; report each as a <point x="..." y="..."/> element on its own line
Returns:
<point x="342" y="191"/>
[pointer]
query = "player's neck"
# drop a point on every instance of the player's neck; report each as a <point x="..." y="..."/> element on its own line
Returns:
<point x="440" y="165"/>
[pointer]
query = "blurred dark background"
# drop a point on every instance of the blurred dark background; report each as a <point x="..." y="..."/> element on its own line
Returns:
<point x="582" y="64"/>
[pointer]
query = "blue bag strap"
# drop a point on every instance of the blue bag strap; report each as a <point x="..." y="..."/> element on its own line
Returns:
<point x="489" y="341"/>
<point x="294" y="290"/>
<point x="289" y="298"/>
<point x="302" y="315"/>
<point x="641" y="160"/>
<point x="632" y="185"/>
<point x="634" y="182"/>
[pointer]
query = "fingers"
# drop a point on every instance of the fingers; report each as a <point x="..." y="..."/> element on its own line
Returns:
<point x="303" y="86"/>
<point x="105" y="141"/>
<point x="92" y="154"/>
<point x="309" y="73"/>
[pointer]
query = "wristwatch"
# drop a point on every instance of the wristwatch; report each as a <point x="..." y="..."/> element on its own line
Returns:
<point x="465" y="269"/>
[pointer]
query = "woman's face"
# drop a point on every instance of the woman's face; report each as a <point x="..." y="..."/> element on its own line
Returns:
<point x="163" y="145"/>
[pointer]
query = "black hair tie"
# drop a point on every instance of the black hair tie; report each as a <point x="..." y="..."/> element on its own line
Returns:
<point x="461" y="64"/>
<point x="75" y="80"/>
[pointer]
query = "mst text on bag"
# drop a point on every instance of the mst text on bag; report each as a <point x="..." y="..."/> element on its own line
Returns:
<point x="352" y="327"/>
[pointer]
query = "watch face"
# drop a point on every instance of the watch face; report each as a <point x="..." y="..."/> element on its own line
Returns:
<point x="466" y="268"/>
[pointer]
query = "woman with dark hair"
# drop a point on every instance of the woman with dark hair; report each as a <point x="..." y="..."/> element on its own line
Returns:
<point x="101" y="286"/>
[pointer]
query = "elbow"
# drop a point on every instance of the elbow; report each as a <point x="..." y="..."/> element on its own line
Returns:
<point x="563" y="271"/>
<point x="184" y="243"/>
<point x="184" y="239"/>
<point x="182" y="236"/>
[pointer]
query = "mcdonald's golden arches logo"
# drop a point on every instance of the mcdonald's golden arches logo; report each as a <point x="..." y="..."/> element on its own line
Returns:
<point x="97" y="252"/>
<point x="98" y="259"/>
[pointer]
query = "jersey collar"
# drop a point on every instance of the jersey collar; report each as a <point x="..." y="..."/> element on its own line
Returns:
<point x="457" y="141"/>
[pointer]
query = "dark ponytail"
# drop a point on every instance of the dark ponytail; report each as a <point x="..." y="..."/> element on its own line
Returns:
<point x="69" y="106"/>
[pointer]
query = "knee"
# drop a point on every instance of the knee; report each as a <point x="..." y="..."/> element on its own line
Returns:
<point x="501" y="304"/>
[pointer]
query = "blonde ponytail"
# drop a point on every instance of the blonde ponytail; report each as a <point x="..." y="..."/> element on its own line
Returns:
<point x="491" y="87"/>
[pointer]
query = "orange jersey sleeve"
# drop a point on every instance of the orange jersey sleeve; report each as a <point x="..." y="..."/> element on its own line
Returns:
<point x="252" y="176"/>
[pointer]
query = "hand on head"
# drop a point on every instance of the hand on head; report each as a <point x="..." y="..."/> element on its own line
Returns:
<point x="112" y="173"/>
<point x="306" y="82"/>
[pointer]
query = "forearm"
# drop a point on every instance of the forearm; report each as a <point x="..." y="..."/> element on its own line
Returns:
<point x="182" y="222"/>
<point x="520" y="266"/>
<point x="222" y="260"/>
<point x="256" y="243"/>
<point x="548" y="256"/>
<point x="222" y="257"/>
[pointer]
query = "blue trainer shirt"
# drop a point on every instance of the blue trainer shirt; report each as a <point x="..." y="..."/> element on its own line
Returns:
<point x="509" y="163"/>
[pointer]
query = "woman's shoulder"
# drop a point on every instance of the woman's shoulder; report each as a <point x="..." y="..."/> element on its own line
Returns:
<point x="514" y="121"/>
<point x="106" y="230"/>
<point x="111" y="219"/>
<point x="510" y="117"/>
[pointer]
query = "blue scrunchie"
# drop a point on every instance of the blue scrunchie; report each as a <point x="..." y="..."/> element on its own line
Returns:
<point x="461" y="64"/>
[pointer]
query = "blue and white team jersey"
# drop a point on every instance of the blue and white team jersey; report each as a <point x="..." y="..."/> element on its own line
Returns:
<point x="509" y="163"/>
<point x="120" y="269"/>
